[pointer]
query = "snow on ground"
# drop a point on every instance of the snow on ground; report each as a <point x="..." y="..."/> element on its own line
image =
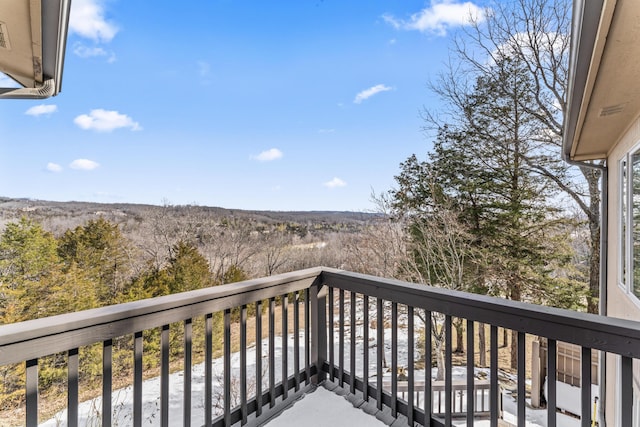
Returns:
<point x="312" y="411"/>
<point x="122" y="399"/>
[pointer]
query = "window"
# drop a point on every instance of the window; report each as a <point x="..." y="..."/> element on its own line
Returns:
<point x="629" y="228"/>
<point x="635" y="222"/>
<point x="622" y="238"/>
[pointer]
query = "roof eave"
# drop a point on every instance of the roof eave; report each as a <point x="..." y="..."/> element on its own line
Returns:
<point x="585" y="24"/>
<point x="54" y="29"/>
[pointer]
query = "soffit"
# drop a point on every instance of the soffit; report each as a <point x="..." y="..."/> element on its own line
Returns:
<point x="21" y="41"/>
<point x="614" y="84"/>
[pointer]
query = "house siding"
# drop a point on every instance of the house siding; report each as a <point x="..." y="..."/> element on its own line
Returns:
<point x="619" y="303"/>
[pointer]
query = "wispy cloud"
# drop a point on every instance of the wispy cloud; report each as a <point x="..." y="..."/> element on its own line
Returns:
<point x="84" y="164"/>
<point x="42" y="109"/>
<point x="269" y="155"/>
<point x="88" y="20"/>
<point x="335" y="183"/>
<point x="326" y="130"/>
<point x="54" y="167"/>
<point x="439" y="17"/>
<point x="105" y="121"/>
<point x="84" y="51"/>
<point x="368" y="93"/>
<point x="204" y="69"/>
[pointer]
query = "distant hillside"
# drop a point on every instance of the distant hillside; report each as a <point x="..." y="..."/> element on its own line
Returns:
<point x="70" y="214"/>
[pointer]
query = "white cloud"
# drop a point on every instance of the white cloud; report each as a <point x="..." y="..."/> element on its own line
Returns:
<point x="368" y="93"/>
<point x="269" y="155"/>
<point x="105" y="121"/>
<point x="84" y="164"/>
<point x="54" y="167"/>
<point x="84" y="51"/>
<point x="439" y="17"/>
<point x="88" y="20"/>
<point x="335" y="183"/>
<point x="326" y="130"/>
<point x="41" y="109"/>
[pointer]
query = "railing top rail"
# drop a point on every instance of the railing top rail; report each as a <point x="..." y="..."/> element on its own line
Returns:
<point x="36" y="338"/>
<point x="610" y="334"/>
<point x="40" y="337"/>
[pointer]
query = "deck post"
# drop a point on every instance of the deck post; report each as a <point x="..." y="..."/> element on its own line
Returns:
<point x="318" y="303"/>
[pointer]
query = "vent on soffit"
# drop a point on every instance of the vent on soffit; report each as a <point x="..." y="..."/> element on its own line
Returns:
<point x="4" y="37"/>
<point x="612" y="109"/>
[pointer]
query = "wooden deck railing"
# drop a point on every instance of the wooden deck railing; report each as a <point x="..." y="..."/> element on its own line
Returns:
<point x="334" y="317"/>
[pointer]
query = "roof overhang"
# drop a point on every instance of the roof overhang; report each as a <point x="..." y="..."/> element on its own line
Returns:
<point x="603" y="96"/>
<point x="33" y="35"/>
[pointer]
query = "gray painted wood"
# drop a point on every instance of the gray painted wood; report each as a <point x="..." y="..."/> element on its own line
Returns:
<point x="428" y="351"/>
<point x="307" y="343"/>
<point x="296" y="340"/>
<point x="493" y="375"/>
<point x="243" y="363"/>
<point x="259" y="401"/>
<point x="331" y="335"/>
<point x="470" y="372"/>
<point x="365" y="339"/>
<point x="448" y="371"/>
<point x="379" y="350"/>
<point x="272" y="352"/>
<point x="522" y="359"/>
<point x="341" y="309"/>
<point x="585" y="387"/>
<point x="32" y="392"/>
<point x="285" y="345"/>
<point x="107" y="369"/>
<point x="626" y="391"/>
<point x="609" y="334"/>
<point x="318" y="310"/>
<point x="72" y="390"/>
<point x="35" y="339"/>
<point x="41" y="337"/>
<point x="208" y="374"/>
<point x="186" y="372"/>
<point x="137" y="378"/>
<point x="410" y="370"/>
<point x="227" y="368"/>
<point x="164" y="376"/>
<point x="394" y="359"/>
<point x="552" y="362"/>
<point x="352" y="342"/>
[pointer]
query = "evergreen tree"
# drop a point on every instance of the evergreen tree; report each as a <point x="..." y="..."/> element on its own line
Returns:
<point x="27" y="256"/>
<point x="478" y="171"/>
<point x="99" y="249"/>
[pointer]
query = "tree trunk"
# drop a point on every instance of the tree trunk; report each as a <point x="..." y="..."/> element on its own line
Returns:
<point x="515" y="295"/>
<point x="440" y="362"/>
<point x="482" y="344"/>
<point x="514" y="350"/>
<point x="459" y="325"/>
<point x="593" y="179"/>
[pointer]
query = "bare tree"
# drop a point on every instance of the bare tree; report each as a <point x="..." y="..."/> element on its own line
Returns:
<point x="380" y="249"/>
<point x="536" y="33"/>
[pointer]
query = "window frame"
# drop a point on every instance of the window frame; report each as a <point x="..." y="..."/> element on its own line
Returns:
<point x="626" y="249"/>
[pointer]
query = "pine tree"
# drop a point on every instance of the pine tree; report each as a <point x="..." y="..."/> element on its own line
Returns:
<point x="479" y="169"/>
<point x="101" y="252"/>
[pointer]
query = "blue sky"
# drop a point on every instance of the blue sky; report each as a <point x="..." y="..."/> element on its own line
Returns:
<point x="286" y="105"/>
